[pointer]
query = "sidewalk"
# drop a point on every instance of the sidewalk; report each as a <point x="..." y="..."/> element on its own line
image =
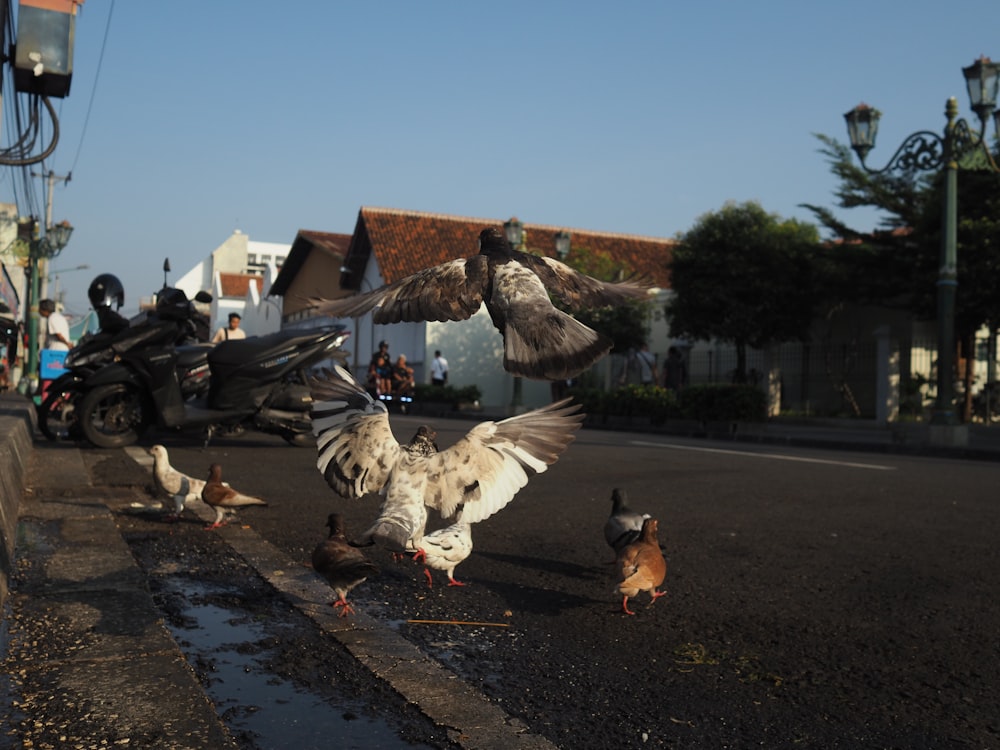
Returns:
<point x="100" y="652"/>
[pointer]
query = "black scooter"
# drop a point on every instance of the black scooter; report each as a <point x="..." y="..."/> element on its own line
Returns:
<point x="259" y="383"/>
<point x="175" y="321"/>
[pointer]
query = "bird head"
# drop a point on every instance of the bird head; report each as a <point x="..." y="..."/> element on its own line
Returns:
<point x="648" y="534"/>
<point x="335" y="522"/>
<point x="617" y="498"/>
<point x="423" y="442"/>
<point x="214" y="472"/>
<point x="492" y="242"/>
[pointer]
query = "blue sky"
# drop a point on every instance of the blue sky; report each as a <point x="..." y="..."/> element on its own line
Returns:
<point x="633" y="117"/>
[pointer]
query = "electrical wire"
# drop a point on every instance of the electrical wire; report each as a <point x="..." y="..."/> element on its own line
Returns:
<point x="93" y="91"/>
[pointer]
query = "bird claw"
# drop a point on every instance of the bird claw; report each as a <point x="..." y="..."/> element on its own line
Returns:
<point x="347" y="608"/>
<point x="419" y="556"/>
<point x="453" y="582"/>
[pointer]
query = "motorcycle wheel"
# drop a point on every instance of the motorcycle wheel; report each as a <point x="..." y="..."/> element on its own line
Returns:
<point x="57" y="417"/>
<point x="112" y="416"/>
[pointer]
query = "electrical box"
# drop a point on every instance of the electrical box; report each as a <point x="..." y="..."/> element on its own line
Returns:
<point x="43" y="57"/>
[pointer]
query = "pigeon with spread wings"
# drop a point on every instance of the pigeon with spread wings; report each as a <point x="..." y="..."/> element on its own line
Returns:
<point x="539" y="340"/>
<point x="477" y="476"/>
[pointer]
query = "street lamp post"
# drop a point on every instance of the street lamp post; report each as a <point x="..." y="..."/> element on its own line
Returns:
<point x="44" y="249"/>
<point x="514" y="232"/>
<point x="959" y="147"/>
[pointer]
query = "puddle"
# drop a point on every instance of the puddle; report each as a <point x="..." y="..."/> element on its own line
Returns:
<point x="262" y="709"/>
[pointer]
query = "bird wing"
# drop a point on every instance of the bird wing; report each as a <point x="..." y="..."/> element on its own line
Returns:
<point x="540" y="341"/>
<point x="447" y="547"/>
<point x="450" y="291"/>
<point x="224" y="496"/>
<point x="641" y="567"/>
<point x="483" y="471"/>
<point x="355" y="445"/>
<point x="580" y="290"/>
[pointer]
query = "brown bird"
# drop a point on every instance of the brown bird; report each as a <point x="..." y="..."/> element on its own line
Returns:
<point x="222" y="497"/>
<point x="539" y="340"/>
<point x="342" y="565"/>
<point x="641" y="566"/>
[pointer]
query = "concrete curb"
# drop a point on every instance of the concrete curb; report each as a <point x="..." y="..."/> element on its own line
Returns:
<point x="17" y="427"/>
<point x="473" y="722"/>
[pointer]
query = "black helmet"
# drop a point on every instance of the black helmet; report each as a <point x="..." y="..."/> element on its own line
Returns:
<point x="106" y="290"/>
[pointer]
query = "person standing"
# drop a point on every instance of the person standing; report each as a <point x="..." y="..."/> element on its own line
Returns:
<point x="646" y="362"/>
<point x="675" y="375"/>
<point x="439" y="369"/>
<point x="380" y="371"/>
<point x="56" y="327"/>
<point x="232" y="332"/>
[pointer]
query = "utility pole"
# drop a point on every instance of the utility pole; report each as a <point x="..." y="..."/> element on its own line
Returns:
<point x="51" y="178"/>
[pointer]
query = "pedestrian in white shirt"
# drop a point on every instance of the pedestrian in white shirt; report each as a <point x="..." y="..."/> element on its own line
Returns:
<point x="56" y="327"/>
<point x="439" y="369"/>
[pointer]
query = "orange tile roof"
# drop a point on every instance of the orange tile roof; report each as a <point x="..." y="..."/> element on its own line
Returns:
<point x="237" y="284"/>
<point x="407" y="241"/>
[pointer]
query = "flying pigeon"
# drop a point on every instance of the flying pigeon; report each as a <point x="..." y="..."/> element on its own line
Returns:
<point x="478" y="475"/>
<point x="342" y="565"/>
<point x="222" y="497"/>
<point x="641" y="566"/>
<point x="624" y="524"/>
<point x="445" y="548"/>
<point x="540" y="341"/>
<point x="173" y="484"/>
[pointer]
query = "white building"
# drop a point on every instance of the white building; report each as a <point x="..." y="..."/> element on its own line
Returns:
<point x="235" y="274"/>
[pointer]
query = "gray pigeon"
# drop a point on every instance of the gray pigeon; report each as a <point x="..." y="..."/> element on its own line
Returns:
<point x="222" y="497"/>
<point x="342" y="565"/>
<point x="624" y="525"/>
<point x="478" y="476"/>
<point x="540" y="341"/>
<point x="173" y="484"/>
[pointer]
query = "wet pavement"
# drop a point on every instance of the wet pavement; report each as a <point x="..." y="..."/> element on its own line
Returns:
<point x="97" y="659"/>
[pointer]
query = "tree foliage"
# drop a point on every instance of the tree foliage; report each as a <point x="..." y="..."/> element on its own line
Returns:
<point x="747" y="277"/>
<point x="898" y="264"/>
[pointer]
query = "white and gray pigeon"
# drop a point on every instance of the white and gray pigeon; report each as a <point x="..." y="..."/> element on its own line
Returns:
<point x="539" y="340"/>
<point x="477" y="476"/>
<point x="624" y="525"/>
<point x="445" y="548"/>
<point x="172" y="484"/>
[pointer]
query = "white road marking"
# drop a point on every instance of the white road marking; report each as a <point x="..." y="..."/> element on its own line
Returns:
<point x="774" y="456"/>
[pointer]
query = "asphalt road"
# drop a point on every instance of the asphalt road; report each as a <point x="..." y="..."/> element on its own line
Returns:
<point x="815" y="598"/>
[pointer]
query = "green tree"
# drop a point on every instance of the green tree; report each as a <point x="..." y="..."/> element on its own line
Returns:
<point x="897" y="265"/>
<point x="747" y="277"/>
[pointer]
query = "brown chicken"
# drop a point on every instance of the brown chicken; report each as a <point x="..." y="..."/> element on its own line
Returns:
<point x="342" y="565"/>
<point x="222" y="497"/>
<point x="641" y="566"/>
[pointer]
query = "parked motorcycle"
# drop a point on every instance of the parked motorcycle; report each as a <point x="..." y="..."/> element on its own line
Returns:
<point x="258" y="383"/>
<point x="174" y="321"/>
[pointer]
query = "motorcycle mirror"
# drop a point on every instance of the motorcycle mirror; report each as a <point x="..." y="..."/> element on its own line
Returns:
<point x="203" y="297"/>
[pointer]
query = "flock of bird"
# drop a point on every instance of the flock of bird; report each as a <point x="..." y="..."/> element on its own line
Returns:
<point x="481" y="473"/>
